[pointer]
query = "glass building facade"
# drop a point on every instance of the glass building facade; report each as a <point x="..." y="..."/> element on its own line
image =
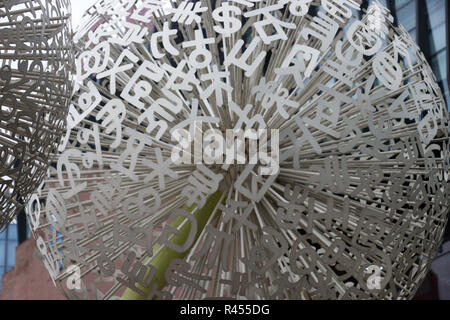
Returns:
<point x="15" y="234"/>
<point x="428" y="23"/>
<point x="8" y="243"/>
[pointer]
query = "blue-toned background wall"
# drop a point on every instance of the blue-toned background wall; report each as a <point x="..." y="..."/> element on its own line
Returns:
<point x="8" y="244"/>
<point x="428" y="22"/>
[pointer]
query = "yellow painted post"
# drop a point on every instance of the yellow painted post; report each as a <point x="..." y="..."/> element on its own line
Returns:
<point x="162" y="260"/>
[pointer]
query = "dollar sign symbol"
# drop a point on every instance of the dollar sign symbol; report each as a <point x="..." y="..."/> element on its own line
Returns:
<point x="230" y="24"/>
<point x="374" y="281"/>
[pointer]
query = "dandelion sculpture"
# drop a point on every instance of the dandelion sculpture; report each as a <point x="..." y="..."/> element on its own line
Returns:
<point x="36" y="60"/>
<point x="339" y="192"/>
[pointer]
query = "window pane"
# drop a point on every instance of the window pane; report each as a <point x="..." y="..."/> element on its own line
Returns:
<point x="438" y="63"/>
<point x="436" y="12"/>
<point x="437" y="39"/>
<point x="401" y="3"/>
<point x="12" y="232"/>
<point x="2" y="253"/>
<point x="406" y="14"/>
<point x="11" y="257"/>
<point x="436" y="24"/>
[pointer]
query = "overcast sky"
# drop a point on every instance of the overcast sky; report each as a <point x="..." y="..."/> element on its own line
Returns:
<point x="78" y="8"/>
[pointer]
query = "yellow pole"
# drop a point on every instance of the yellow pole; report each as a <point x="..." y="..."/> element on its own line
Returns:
<point x="162" y="260"/>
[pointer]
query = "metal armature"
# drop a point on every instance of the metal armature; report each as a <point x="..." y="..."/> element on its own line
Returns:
<point x="142" y="204"/>
<point x="36" y="64"/>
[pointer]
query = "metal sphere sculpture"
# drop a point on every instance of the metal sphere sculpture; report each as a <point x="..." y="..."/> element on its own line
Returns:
<point x="337" y="187"/>
<point x="36" y="61"/>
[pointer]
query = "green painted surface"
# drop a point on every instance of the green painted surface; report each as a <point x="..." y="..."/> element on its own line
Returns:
<point x="162" y="260"/>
